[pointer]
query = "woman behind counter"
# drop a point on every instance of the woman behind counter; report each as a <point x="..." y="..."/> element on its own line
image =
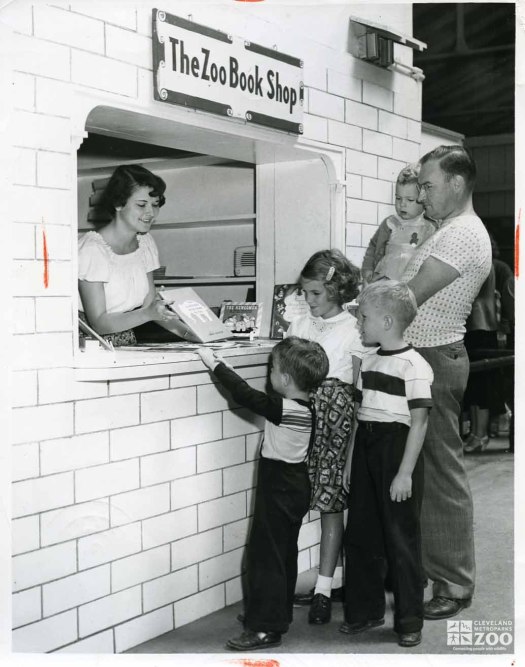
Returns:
<point x="117" y="261"/>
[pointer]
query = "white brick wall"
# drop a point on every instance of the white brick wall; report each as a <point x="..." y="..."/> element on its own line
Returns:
<point x="32" y="204"/>
<point x="42" y="422"/>
<point x="25" y="461"/>
<point x="140" y="504"/>
<point x="46" y="635"/>
<point x="24" y="244"/>
<point x="326" y="105"/>
<point x="358" y="210"/>
<point x="44" y="132"/>
<point x="169" y="404"/>
<point x="377" y="143"/>
<point x="220" y="454"/>
<point x="108" y="545"/>
<point x="76" y="590"/>
<point x="109" y="611"/>
<point x="53" y="314"/>
<point x="342" y="134"/>
<point x="23" y="320"/>
<point x="196" y="430"/>
<point x="41" y="494"/>
<point x="79" y="451"/>
<point x="139" y="568"/>
<point x="241" y="422"/>
<point x="128" y="47"/>
<point x="23" y="388"/>
<point x="142" y="629"/>
<point x="27" y="607"/>
<point x="207" y="545"/>
<point x="138" y="386"/>
<point x="106" y="480"/>
<point x="240" y="478"/>
<point x="34" y="56"/>
<point x="169" y="527"/>
<point x="315" y="127"/>
<point x="221" y="568"/>
<point x="54" y="171"/>
<point x="344" y="85"/>
<point x="363" y="115"/>
<point x="105" y="413"/>
<point x="44" y="565"/>
<point x="23" y="92"/>
<point x="170" y="588"/>
<point x="53" y="97"/>
<point x="25" y="534"/>
<point x="24" y="165"/>
<point x="377" y="96"/>
<point x="389" y="123"/>
<point x="377" y="190"/>
<point x="196" y="489"/>
<point x="99" y="643"/>
<point x="101" y="73"/>
<point x="236" y="534"/>
<point x="56" y="25"/>
<point x="199" y="605"/>
<point x="68" y="523"/>
<point x="221" y="511"/>
<point x="139" y="440"/>
<point x="159" y="468"/>
<point x="361" y="163"/>
<point x="389" y="170"/>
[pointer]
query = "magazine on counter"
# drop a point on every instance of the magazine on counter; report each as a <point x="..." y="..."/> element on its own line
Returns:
<point x="242" y="318"/>
<point x="288" y="303"/>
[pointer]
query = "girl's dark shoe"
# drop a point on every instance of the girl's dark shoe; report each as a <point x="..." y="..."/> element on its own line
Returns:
<point x="253" y="641"/>
<point x="320" y="610"/>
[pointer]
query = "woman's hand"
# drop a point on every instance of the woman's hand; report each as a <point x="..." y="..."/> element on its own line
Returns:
<point x="160" y="310"/>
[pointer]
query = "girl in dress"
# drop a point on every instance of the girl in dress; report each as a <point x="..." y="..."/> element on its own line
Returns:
<point x="329" y="280"/>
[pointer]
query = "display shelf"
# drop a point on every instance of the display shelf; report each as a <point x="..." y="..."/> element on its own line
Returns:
<point x="205" y="280"/>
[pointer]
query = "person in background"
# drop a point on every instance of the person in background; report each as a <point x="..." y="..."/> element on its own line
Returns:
<point x="328" y="281"/>
<point x="445" y="274"/>
<point x="283" y="488"/>
<point x="116" y="262"/>
<point x="398" y="236"/>
<point x="384" y="472"/>
<point x="484" y="394"/>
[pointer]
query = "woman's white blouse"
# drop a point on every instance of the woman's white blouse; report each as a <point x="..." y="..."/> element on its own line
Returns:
<point x="338" y="336"/>
<point x="125" y="277"/>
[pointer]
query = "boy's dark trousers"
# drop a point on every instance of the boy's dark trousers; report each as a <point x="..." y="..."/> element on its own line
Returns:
<point x="282" y="499"/>
<point x="382" y="533"/>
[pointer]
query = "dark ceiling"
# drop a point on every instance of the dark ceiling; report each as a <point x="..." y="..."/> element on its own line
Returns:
<point x="468" y="65"/>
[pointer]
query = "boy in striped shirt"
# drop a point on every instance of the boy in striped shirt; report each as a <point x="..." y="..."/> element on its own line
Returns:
<point x="282" y="495"/>
<point x="384" y="471"/>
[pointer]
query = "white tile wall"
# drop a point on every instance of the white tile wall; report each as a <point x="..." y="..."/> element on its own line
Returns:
<point x="353" y="233"/>
<point x="23" y="388"/>
<point x="109" y="611"/>
<point x="23" y="92"/>
<point x="196" y="489"/>
<point x="23" y="320"/>
<point x="24" y="162"/>
<point x="25" y="462"/>
<point x="23" y="241"/>
<point x="68" y="523"/>
<point x="221" y="511"/>
<point x="53" y="97"/>
<point x="377" y="143"/>
<point x="220" y="454"/>
<point x="128" y="47"/>
<point x="27" y="607"/>
<point x="76" y="590"/>
<point x="377" y="190"/>
<point x="57" y="25"/>
<point x="315" y="127"/>
<point x="169" y="404"/>
<point x="25" y="534"/>
<point x="139" y="568"/>
<point x="35" y="56"/>
<point x="405" y="150"/>
<point x="44" y="565"/>
<point x="138" y="386"/>
<point x="105" y="413"/>
<point x="389" y="123"/>
<point x="169" y="527"/>
<point x="239" y="478"/>
<point x="205" y="544"/>
<point x="253" y="445"/>
<point x="236" y="534"/>
<point x="359" y="210"/>
<point x="75" y="452"/>
<point x="326" y="105"/>
<point x="141" y="629"/>
<point x="44" y="132"/>
<point x="212" y="398"/>
<point x="99" y="643"/>
<point x="170" y="588"/>
<point x="54" y="314"/>
<point x="362" y="115"/>
<point x="46" y="635"/>
<point x="42" y="351"/>
<point x="106" y="480"/>
<point x="199" y="605"/>
<point x="159" y="468"/>
<point x="361" y="163"/>
<point x="221" y="568"/>
<point x="140" y="504"/>
<point x="342" y="134"/>
<point x="344" y="85"/>
<point x="37" y="204"/>
<point x="41" y="494"/>
<point x="234" y="591"/>
<point x="108" y="545"/>
<point x="108" y="13"/>
<point x="377" y="96"/>
<point x="139" y="440"/>
<point x="101" y="73"/>
<point x="195" y="430"/>
<point x="389" y="170"/>
<point x="42" y="422"/>
<point x="241" y="422"/>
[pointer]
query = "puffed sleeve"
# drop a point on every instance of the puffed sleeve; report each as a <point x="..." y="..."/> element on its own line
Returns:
<point x="150" y="253"/>
<point x="93" y="262"/>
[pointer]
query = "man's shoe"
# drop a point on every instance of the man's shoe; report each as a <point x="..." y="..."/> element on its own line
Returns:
<point x="408" y="639"/>
<point x="360" y="626"/>
<point x="440" y="607"/>
<point x="320" y="610"/>
<point x="305" y="599"/>
<point x="253" y="641"/>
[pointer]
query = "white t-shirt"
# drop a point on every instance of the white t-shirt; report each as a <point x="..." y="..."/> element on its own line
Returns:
<point x="125" y="277"/>
<point x="464" y="244"/>
<point x="338" y="336"/>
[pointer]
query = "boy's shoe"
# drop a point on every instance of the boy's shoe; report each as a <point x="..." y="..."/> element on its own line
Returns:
<point x="360" y="626"/>
<point x="440" y="607"/>
<point x="253" y="641"/>
<point x="305" y="599"/>
<point x="409" y="639"/>
<point x="320" y="610"/>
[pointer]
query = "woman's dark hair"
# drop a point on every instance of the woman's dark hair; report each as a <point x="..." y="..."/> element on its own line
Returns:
<point x="339" y="276"/>
<point x="123" y="182"/>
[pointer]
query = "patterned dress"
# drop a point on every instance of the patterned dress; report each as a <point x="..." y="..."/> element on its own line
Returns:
<point x="333" y="403"/>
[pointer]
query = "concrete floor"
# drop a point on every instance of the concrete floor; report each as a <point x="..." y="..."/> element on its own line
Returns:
<point x="491" y="480"/>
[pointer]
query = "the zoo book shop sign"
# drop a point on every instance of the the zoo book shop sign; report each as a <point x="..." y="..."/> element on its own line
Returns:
<point x="203" y="68"/>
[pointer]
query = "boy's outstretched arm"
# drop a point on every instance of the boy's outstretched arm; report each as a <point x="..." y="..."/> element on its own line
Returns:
<point x="401" y="487"/>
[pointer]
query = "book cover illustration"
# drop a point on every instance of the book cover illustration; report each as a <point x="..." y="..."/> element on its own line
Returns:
<point x="288" y="303"/>
<point x="204" y="325"/>
<point x="242" y="318"/>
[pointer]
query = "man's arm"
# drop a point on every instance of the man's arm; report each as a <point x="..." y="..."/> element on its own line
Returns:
<point x="432" y="277"/>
